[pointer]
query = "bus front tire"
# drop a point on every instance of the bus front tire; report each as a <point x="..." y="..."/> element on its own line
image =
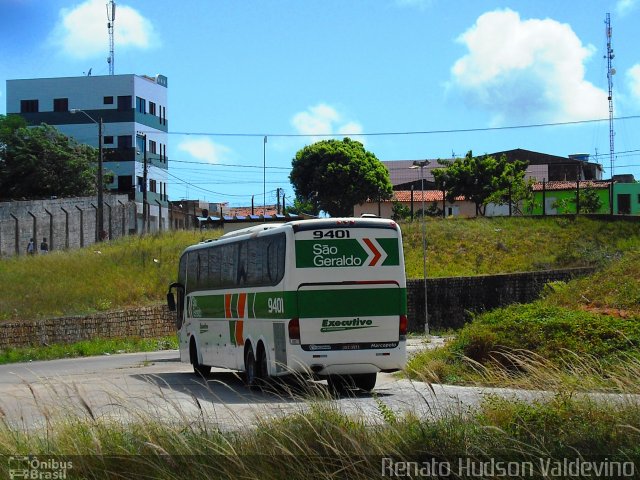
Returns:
<point x="198" y="369"/>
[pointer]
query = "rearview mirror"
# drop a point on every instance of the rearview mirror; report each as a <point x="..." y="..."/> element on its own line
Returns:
<point x="171" y="302"/>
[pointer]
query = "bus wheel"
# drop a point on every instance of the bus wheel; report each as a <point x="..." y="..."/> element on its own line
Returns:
<point x="263" y="368"/>
<point x="340" y="384"/>
<point x="250" y="369"/>
<point x="365" y="381"/>
<point x="200" y="370"/>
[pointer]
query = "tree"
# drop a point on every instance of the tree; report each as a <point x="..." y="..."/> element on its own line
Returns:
<point x="41" y="162"/>
<point x="334" y="175"/>
<point x="480" y="179"/>
<point x="590" y="201"/>
<point x="400" y="211"/>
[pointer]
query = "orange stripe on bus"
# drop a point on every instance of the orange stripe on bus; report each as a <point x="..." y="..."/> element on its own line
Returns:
<point x="242" y="304"/>
<point x="239" y="328"/>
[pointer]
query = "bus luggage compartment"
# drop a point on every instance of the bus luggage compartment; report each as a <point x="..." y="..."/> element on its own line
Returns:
<point x="350" y="315"/>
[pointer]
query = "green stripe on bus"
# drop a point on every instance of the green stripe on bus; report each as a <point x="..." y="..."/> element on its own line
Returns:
<point x="350" y="302"/>
<point x="310" y="303"/>
<point x="390" y="245"/>
<point x="232" y="332"/>
<point x="344" y="253"/>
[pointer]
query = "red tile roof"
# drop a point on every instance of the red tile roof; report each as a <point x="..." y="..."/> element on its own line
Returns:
<point x="245" y="211"/>
<point x="405" y="196"/>
<point x="537" y="187"/>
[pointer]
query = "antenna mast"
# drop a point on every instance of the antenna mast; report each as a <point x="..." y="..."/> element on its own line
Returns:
<point x="111" y="17"/>
<point x="610" y="73"/>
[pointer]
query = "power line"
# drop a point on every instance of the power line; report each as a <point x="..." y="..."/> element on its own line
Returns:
<point x="414" y="132"/>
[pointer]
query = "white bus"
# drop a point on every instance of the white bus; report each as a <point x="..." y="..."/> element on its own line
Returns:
<point x="325" y="297"/>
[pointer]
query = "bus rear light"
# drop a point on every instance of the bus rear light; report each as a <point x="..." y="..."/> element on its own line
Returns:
<point x="294" y="331"/>
<point x="403" y="327"/>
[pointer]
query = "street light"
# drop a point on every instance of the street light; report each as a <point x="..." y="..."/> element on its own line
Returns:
<point x="99" y="176"/>
<point x="421" y="165"/>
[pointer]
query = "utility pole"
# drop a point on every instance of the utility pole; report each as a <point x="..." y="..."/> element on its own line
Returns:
<point x="145" y="212"/>
<point x="264" y="177"/>
<point x="421" y="165"/>
<point x="100" y="184"/>
<point x="278" y="197"/>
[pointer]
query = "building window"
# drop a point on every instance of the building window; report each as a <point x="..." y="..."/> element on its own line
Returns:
<point x="639" y="198"/>
<point x="60" y="104"/>
<point x="153" y="146"/>
<point x="108" y="140"/>
<point x="141" y="105"/>
<point x="152" y="108"/>
<point x="124" y="141"/>
<point x="152" y="186"/>
<point x="124" y="102"/>
<point x="124" y="183"/>
<point x="29" y="106"/>
<point x="108" y="100"/>
<point x="140" y="183"/>
<point x="140" y="146"/>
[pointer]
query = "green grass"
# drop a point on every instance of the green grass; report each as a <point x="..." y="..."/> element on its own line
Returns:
<point x="464" y="247"/>
<point x="538" y="346"/>
<point x="322" y="442"/>
<point x="135" y="271"/>
<point x="131" y="271"/>
<point x="98" y="346"/>
<point x="614" y="290"/>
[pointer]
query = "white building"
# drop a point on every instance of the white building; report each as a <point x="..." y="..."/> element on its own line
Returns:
<point x="132" y="108"/>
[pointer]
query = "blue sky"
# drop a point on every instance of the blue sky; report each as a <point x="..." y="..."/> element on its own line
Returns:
<point x="240" y="70"/>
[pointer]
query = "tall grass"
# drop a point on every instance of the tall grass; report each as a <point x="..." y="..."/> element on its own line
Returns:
<point x="130" y="271"/>
<point x="319" y="440"/>
<point x="538" y="346"/>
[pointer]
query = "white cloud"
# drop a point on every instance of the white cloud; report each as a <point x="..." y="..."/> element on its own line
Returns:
<point x="323" y="119"/>
<point x="527" y="70"/>
<point x="202" y="148"/>
<point x="633" y="79"/>
<point x="82" y="33"/>
<point x="623" y="7"/>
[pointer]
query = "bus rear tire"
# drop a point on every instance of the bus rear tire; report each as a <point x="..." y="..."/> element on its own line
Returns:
<point x="262" y="367"/>
<point x="340" y="384"/>
<point x="198" y="369"/>
<point x="250" y="370"/>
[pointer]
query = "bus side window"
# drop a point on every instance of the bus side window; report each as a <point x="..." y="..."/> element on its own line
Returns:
<point x="241" y="277"/>
<point x="203" y="269"/>
<point x="192" y="272"/>
<point x="214" y="268"/>
<point x="275" y="259"/>
<point x="229" y="265"/>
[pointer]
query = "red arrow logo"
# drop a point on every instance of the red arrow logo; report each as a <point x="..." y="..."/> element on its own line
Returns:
<point x="376" y="254"/>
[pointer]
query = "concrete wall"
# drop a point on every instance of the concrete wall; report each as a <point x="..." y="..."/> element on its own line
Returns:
<point x="20" y="221"/>
<point x="451" y="301"/>
<point x="144" y="322"/>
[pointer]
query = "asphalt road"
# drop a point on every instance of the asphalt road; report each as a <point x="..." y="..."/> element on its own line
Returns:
<point x="158" y="385"/>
